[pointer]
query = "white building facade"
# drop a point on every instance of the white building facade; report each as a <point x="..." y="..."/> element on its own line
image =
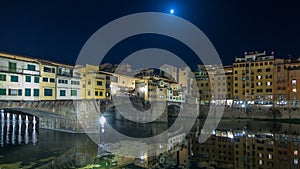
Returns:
<point x="68" y="83"/>
<point x="19" y="78"/>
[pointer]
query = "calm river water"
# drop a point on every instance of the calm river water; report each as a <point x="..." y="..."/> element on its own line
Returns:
<point x="234" y="144"/>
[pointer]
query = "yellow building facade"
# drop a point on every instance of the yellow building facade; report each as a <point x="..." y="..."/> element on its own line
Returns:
<point x="47" y="81"/>
<point x="93" y="82"/>
<point x="253" y="78"/>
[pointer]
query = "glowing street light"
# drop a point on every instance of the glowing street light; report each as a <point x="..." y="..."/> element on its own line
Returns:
<point x="102" y="120"/>
<point x="172" y="11"/>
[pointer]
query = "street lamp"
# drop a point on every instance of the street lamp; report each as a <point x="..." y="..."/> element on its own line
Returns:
<point x="172" y="11"/>
<point x="102" y="120"/>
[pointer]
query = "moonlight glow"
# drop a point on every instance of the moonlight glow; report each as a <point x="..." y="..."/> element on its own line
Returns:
<point x="172" y="11"/>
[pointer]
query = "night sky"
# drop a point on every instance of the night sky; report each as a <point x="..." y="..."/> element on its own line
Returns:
<point x="56" y="31"/>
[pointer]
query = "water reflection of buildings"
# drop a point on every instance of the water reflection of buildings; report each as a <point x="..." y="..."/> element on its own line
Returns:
<point x="242" y="149"/>
<point x="169" y="150"/>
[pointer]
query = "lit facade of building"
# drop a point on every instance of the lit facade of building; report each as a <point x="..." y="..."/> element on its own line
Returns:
<point x="169" y="72"/>
<point x="156" y="89"/>
<point x="294" y="86"/>
<point x="122" y="85"/>
<point x="93" y="82"/>
<point x="280" y="82"/>
<point x="184" y="79"/>
<point x="204" y="86"/>
<point x="257" y="78"/>
<point x="218" y="82"/>
<point x="68" y="83"/>
<point x="175" y="93"/>
<point x="229" y="84"/>
<point x="161" y="91"/>
<point x="253" y="78"/>
<point x="47" y="81"/>
<point x="146" y="89"/>
<point x="19" y="77"/>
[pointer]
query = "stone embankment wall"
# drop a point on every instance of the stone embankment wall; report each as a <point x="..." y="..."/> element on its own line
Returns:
<point x="254" y="112"/>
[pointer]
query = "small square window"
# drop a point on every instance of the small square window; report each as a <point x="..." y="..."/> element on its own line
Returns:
<point x="2" y="77"/>
<point x="2" y="92"/>
<point x="14" y="78"/>
<point x="62" y="93"/>
<point x="28" y="79"/>
<point x="27" y="92"/>
<point x="45" y="79"/>
<point x="31" y="67"/>
<point x="48" y="92"/>
<point x="36" y="92"/>
<point x="36" y="79"/>
<point x="52" y="80"/>
<point x="73" y="92"/>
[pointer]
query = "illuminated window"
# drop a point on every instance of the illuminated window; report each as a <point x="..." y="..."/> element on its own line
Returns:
<point x="270" y="156"/>
<point x="258" y="83"/>
<point x="294" y="82"/>
<point x="296" y="161"/>
<point x="258" y="77"/>
<point x="295" y="152"/>
<point x="269" y="83"/>
<point x="294" y="90"/>
<point x="260" y="162"/>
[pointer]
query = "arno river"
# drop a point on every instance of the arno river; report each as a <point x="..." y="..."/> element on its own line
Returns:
<point x="234" y="144"/>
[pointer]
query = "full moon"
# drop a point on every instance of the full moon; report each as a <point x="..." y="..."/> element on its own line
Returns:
<point x="172" y="11"/>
